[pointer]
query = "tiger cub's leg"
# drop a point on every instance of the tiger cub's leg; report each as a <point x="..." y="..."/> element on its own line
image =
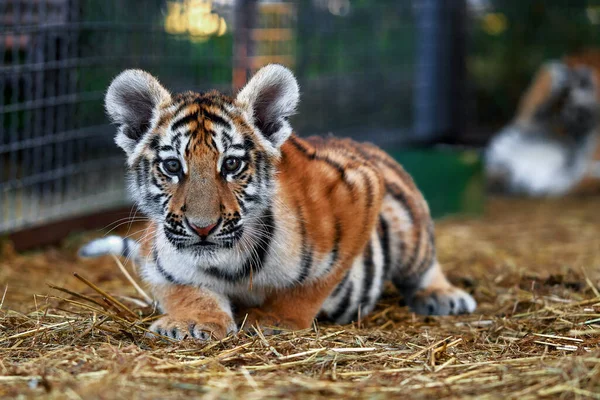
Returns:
<point x="410" y="248"/>
<point x="194" y="313"/>
<point x="293" y="308"/>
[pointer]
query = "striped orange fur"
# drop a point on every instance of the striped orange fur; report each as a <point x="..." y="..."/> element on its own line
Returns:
<point x="251" y="222"/>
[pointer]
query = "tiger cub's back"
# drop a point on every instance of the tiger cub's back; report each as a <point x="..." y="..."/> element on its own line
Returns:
<point x="402" y="245"/>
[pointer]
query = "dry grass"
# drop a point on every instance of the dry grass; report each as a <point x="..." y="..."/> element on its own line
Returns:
<point x="533" y="267"/>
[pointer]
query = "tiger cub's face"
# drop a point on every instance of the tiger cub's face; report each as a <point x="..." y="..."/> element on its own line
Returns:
<point x="202" y="165"/>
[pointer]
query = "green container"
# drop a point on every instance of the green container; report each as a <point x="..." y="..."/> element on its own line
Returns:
<point x="451" y="180"/>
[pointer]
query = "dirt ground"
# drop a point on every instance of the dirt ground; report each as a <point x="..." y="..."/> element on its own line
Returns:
<point x="533" y="267"/>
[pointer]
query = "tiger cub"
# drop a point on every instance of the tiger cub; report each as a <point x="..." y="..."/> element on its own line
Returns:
<point x="552" y="147"/>
<point x="252" y="223"/>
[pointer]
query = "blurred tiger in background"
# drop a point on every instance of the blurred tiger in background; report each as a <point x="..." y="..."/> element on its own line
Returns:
<point x="250" y="222"/>
<point x="552" y="146"/>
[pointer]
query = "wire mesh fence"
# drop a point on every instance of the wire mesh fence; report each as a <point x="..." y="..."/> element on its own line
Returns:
<point x="390" y="71"/>
<point x="356" y="68"/>
<point x="57" y="157"/>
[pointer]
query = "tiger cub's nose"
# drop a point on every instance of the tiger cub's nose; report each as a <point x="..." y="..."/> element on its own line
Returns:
<point x="203" y="231"/>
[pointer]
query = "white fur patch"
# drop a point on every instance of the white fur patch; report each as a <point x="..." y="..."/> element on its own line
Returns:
<point x="100" y="247"/>
<point x="535" y="167"/>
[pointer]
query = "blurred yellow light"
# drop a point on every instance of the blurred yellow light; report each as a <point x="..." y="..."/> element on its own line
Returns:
<point x="194" y="17"/>
<point x="222" y="28"/>
<point x="175" y="22"/>
<point x="494" y="23"/>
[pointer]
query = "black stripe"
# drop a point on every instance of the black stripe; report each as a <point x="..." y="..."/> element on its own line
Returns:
<point x="214" y="118"/>
<point x="126" y="248"/>
<point x="309" y="154"/>
<point x="166" y="202"/>
<point x="336" y="244"/>
<point x="340" y="285"/>
<point x="307" y="254"/>
<point x="155" y="182"/>
<point x="229" y="138"/>
<point x="369" y="187"/>
<point x="399" y="196"/>
<point x="212" y="143"/>
<point x="382" y="158"/>
<point x="233" y="229"/>
<point x="177" y="141"/>
<point x="174" y="235"/>
<point x="156" y="198"/>
<point x="242" y="205"/>
<point x="307" y="260"/>
<point x="164" y="273"/>
<point x="181" y="107"/>
<point x="202" y="99"/>
<point x="339" y="167"/>
<point x="251" y="198"/>
<point x="252" y="264"/>
<point x="208" y="137"/>
<point x="369" y="269"/>
<point x="248" y="143"/>
<point x="384" y="239"/>
<point x="341" y="309"/>
<point x="184" y="121"/>
<point x="154" y="143"/>
<point x="312" y="155"/>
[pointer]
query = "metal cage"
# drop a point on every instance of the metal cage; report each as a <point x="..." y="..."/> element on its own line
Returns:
<point x="57" y="156"/>
<point x="360" y="69"/>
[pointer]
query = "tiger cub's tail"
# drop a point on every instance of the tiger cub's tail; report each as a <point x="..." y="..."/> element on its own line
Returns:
<point x="116" y="245"/>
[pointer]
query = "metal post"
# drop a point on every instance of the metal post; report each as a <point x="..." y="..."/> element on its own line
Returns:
<point x="243" y="47"/>
<point x="440" y="71"/>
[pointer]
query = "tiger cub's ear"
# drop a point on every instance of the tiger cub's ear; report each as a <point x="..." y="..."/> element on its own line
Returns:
<point x="130" y="102"/>
<point x="271" y="97"/>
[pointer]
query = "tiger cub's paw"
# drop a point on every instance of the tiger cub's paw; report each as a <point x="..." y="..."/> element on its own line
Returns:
<point x="442" y="301"/>
<point x="180" y="329"/>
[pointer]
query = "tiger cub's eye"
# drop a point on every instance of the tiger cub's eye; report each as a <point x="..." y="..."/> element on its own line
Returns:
<point x="231" y="164"/>
<point x="172" y="166"/>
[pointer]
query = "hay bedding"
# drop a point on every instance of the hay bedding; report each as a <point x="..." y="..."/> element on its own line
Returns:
<point x="533" y="266"/>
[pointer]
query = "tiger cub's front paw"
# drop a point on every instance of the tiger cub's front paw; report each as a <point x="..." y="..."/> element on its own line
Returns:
<point x="193" y="328"/>
<point x="442" y="301"/>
